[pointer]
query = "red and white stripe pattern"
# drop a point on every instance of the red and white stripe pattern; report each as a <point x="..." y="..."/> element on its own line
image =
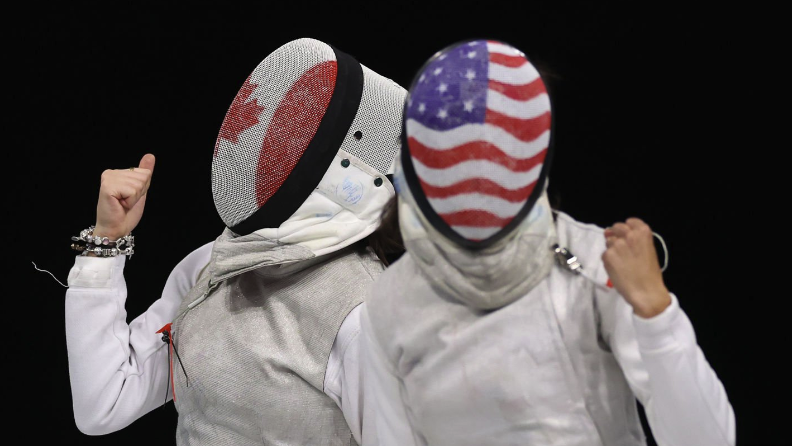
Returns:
<point x="477" y="171"/>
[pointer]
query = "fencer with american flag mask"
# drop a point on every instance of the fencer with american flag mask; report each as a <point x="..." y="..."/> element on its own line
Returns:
<point x="487" y="331"/>
<point x="260" y="325"/>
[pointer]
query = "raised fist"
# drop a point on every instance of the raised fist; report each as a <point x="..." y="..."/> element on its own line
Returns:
<point x="122" y="196"/>
<point x="631" y="262"/>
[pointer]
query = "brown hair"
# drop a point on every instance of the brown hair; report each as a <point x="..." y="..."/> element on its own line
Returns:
<point x="386" y="241"/>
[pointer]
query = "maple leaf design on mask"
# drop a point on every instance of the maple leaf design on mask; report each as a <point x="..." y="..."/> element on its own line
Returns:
<point x="242" y="114"/>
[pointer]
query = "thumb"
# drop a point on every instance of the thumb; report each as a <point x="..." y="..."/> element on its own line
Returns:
<point x="147" y="162"/>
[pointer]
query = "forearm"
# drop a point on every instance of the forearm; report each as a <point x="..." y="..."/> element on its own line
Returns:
<point x="687" y="403"/>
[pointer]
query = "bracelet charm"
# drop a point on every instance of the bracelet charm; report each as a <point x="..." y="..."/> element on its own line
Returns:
<point x="87" y="243"/>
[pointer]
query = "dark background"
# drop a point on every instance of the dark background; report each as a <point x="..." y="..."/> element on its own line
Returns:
<point x="658" y="112"/>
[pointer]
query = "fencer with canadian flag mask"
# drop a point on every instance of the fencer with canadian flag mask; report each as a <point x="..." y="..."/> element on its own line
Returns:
<point x="487" y="332"/>
<point x="298" y="174"/>
<point x="259" y="326"/>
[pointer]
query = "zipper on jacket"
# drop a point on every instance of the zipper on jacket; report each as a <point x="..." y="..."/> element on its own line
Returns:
<point x="203" y="296"/>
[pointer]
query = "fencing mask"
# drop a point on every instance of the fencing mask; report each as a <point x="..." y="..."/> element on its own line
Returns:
<point x="476" y="141"/>
<point x="310" y="137"/>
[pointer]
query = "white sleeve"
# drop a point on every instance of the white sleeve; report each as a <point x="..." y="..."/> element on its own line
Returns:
<point x="385" y="418"/>
<point x="342" y="378"/>
<point x="347" y="370"/>
<point x="685" y="402"/>
<point x="119" y="372"/>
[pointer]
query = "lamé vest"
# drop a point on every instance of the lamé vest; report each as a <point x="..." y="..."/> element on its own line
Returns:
<point x="252" y="339"/>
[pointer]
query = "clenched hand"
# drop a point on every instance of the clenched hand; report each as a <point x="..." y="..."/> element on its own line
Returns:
<point x="122" y="197"/>
<point x="631" y="262"/>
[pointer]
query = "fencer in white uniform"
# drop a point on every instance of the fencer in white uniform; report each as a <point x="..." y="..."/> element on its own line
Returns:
<point x="255" y="335"/>
<point x="505" y="322"/>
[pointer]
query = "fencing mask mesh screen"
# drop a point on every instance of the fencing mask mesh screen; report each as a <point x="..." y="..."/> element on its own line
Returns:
<point x="477" y="140"/>
<point x="301" y="104"/>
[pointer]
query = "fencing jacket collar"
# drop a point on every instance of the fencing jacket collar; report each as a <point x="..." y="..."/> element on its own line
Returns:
<point x="233" y="255"/>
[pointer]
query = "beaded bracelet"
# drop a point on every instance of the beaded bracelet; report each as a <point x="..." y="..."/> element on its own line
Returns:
<point x="102" y="246"/>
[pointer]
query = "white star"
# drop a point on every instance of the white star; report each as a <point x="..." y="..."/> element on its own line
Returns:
<point x="472" y="43"/>
<point x="442" y="114"/>
<point x="470" y="75"/>
<point x="442" y="87"/>
<point x="468" y="106"/>
<point x="438" y="71"/>
<point x="443" y="56"/>
<point x="471" y="54"/>
<point x="421" y="107"/>
<point x="423" y="78"/>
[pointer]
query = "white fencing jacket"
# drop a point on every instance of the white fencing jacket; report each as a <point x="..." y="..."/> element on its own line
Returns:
<point x="561" y="365"/>
<point x="120" y="371"/>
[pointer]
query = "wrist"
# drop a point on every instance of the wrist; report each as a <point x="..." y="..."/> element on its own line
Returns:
<point x="650" y="304"/>
<point x="101" y="231"/>
<point x="94" y="245"/>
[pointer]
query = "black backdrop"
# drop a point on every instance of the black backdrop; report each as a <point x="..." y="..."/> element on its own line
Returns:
<point x="655" y="117"/>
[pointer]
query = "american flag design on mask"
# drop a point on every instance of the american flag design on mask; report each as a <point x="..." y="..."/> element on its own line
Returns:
<point x="477" y="130"/>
